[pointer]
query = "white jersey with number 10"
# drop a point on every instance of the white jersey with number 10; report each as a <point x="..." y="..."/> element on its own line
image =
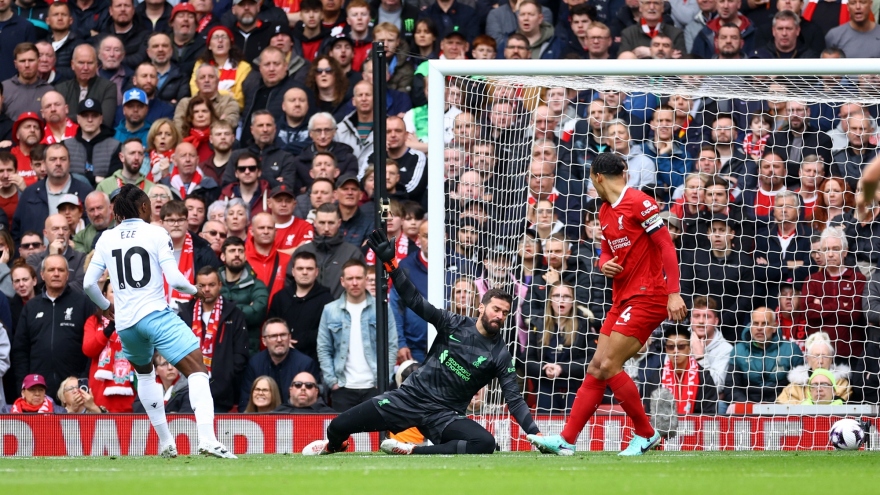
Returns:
<point x="133" y="252"/>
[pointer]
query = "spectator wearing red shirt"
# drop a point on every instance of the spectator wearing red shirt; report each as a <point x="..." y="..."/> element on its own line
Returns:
<point x="833" y="297"/>
<point x="290" y="232"/>
<point x="109" y="372"/>
<point x="27" y="132"/>
<point x="11" y="183"/>
<point x="263" y="255"/>
<point x="309" y="33"/>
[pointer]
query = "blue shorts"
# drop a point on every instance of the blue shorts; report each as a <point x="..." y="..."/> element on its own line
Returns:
<point x="160" y="330"/>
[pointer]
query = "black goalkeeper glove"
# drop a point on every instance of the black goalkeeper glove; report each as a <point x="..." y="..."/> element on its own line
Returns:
<point x="383" y="248"/>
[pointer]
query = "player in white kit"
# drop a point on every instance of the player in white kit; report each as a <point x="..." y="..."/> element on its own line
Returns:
<point x="137" y="255"/>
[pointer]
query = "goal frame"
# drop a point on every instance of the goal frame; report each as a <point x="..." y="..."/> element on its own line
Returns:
<point x="438" y="70"/>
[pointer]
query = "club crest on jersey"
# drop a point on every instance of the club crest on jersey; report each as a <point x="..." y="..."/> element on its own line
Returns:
<point x="480" y="360"/>
<point x="68" y="313"/>
<point x="620" y="222"/>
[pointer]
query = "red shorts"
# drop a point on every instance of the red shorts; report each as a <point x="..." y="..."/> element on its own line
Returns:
<point x="636" y="317"/>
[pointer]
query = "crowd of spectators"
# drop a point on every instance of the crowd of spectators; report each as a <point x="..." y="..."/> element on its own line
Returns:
<point x="249" y="124"/>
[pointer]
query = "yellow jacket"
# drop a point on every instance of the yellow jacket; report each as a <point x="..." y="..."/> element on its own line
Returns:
<point x="241" y="72"/>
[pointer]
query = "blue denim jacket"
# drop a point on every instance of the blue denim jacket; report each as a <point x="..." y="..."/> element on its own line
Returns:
<point x="334" y="334"/>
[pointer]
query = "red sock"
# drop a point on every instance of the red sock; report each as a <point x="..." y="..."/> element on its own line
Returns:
<point x="627" y="394"/>
<point x="588" y="398"/>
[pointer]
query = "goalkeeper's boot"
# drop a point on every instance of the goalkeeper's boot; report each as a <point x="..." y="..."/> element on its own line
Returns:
<point x="396" y="447"/>
<point x="322" y="447"/>
<point x="168" y="451"/>
<point x="551" y="444"/>
<point x="216" y="449"/>
<point x="640" y="445"/>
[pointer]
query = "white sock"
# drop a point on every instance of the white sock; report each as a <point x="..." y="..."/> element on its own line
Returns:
<point x="153" y="399"/>
<point x="203" y="405"/>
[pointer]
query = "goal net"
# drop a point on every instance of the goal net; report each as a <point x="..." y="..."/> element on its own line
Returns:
<point x="755" y="176"/>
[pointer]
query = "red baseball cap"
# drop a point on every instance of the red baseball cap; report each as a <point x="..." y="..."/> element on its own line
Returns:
<point x="182" y="7"/>
<point x="32" y="381"/>
<point x="23" y="117"/>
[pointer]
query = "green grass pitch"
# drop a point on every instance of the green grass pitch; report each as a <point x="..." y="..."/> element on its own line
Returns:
<point x="721" y="473"/>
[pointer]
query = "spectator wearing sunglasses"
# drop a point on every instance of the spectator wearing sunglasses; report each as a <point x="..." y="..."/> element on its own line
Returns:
<point x="249" y="185"/>
<point x="31" y="242"/>
<point x="279" y="360"/>
<point x="305" y="397"/>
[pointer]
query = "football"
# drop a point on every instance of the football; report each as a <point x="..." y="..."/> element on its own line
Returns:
<point x="846" y="434"/>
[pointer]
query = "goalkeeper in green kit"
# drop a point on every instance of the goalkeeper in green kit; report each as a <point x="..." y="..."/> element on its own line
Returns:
<point x="465" y="356"/>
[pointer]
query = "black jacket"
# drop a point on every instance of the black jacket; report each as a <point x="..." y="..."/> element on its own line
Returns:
<point x="162" y="24"/>
<point x="277" y="165"/>
<point x="185" y="56"/>
<point x="259" y="97"/>
<point x="134" y="40"/>
<point x="331" y="254"/>
<point x="346" y="162"/>
<point x="572" y="359"/>
<point x="318" y="407"/>
<point x="302" y="314"/>
<point x="283" y="373"/>
<point x="729" y="280"/>
<point x="230" y="353"/>
<point x="64" y="53"/>
<point x="49" y="337"/>
<point x="176" y="87"/>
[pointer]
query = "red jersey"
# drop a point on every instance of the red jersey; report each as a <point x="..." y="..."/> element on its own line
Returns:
<point x="296" y="232"/>
<point x="626" y="226"/>
<point x="24" y="167"/>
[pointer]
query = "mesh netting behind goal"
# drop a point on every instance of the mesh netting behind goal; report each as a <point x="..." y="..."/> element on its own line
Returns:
<point x="756" y="179"/>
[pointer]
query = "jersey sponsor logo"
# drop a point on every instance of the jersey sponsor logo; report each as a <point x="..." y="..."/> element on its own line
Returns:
<point x="68" y="313"/>
<point x="649" y="209"/>
<point x="453" y="366"/>
<point x="480" y="360"/>
<point x="620" y="243"/>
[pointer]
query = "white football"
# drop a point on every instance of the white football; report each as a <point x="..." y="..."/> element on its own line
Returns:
<point x="846" y="434"/>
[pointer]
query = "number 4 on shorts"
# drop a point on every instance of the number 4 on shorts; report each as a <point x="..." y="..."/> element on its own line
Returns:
<point x="625" y="315"/>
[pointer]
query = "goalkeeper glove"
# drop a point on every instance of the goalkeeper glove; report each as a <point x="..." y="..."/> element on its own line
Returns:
<point x="383" y="248"/>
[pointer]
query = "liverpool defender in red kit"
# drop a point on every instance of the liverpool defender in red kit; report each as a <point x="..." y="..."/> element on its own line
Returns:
<point x="636" y="252"/>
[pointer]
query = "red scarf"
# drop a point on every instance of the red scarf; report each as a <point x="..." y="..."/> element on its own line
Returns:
<point x="204" y="23"/>
<point x="811" y="9"/>
<point x="155" y="157"/>
<point x="70" y="129"/>
<point x="206" y="334"/>
<point x="21" y="406"/>
<point x="650" y="31"/>
<point x="186" y="267"/>
<point x="112" y="365"/>
<point x="685" y="393"/>
<point x="554" y="195"/>
<point x="177" y="182"/>
<point x="199" y="139"/>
